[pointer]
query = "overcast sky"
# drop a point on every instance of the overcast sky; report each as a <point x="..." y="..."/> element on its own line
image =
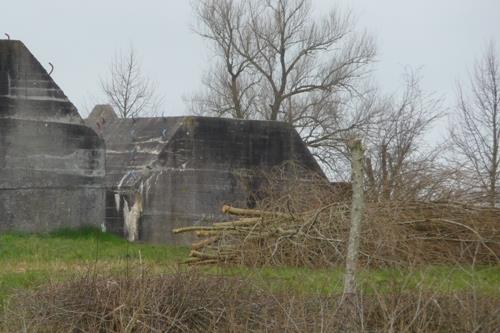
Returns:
<point x="442" y="37"/>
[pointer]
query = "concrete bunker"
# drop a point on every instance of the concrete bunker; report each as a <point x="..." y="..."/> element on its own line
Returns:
<point x="163" y="173"/>
<point x="51" y="165"/>
<point x="155" y="174"/>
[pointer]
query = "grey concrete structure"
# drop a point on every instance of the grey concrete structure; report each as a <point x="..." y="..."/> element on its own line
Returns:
<point x="52" y="166"/>
<point x="164" y="173"/>
<point x="99" y="116"/>
<point x="154" y="175"/>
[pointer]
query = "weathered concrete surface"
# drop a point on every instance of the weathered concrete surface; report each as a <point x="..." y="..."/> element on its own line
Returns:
<point x="100" y="115"/>
<point x="52" y="166"/>
<point x="183" y="169"/>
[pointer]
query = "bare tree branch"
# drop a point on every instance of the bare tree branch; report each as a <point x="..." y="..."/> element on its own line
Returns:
<point x="476" y="129"/>
<point x="128" y="90"/>
<point x="397" y="164"/>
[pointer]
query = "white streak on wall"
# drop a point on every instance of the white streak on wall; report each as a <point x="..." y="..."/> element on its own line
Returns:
<point x="152" y="140"/>
<point x="147" y="183"/>
<point x="123" y="179"/>
<point x="132" y="217"/>
<point x="117" y="202"/>
<point x="39" y="98"/>
<point x="148" y="151"/>
<point x="137" y="150"/>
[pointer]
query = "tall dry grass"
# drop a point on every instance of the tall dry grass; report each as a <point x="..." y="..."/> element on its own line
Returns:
<point x="191" y="302"/>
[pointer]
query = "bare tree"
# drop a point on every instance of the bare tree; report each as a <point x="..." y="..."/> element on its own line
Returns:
<point x="229" y="84"/>
<point x="326" y="124"/>
<point x="130" y="92"/>
<point x="297" y="55"/>
<point x="276" y="61"/>
<point x="397" y="164"/>
<point x="475" y="132"/>
<point x="230" y="97"/>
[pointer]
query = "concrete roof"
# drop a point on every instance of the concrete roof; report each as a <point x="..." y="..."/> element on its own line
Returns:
<point x="136" y="146"/>
<point x="26" y="86"/>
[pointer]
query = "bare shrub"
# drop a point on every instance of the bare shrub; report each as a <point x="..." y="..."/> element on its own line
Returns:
<point x="143" y="303"/>
<point x="291" y="188"/>
<point x="190" y="302"/>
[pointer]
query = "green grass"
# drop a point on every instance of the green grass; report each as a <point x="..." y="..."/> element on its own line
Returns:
<point x="324" y="281"/>
<point x="85" y="245"/>
<point x="27" y="261"/>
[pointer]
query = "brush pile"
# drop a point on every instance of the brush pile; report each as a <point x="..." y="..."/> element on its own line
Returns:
<point x="394" y="234"/>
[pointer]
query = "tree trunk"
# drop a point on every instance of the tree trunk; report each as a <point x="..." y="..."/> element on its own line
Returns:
<point x="235" y="96"/>
<point x="386" y="191"/>
<point x="370" y="174"/>
<point x="357" y="212"/>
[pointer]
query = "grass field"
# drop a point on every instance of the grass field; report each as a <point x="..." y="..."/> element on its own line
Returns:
<point x="27" y="261"/>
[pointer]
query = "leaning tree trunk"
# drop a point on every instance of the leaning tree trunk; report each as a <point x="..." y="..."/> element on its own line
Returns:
<point x="349" y="299"/>
<point x="357" y="157"/>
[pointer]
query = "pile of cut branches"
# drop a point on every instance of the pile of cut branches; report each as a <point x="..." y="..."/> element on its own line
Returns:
<point x="394" y="233"/>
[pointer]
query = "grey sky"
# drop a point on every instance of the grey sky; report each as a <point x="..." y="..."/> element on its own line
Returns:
<point x="443" y="37"/>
